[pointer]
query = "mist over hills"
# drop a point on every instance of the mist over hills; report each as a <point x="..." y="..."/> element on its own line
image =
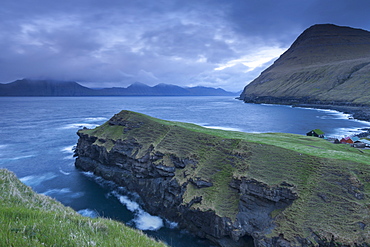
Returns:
<point x="327" y="64"/>
<point x="28" y="87"/>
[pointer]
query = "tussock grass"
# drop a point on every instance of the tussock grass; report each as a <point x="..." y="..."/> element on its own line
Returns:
<point x="31" y="219"/>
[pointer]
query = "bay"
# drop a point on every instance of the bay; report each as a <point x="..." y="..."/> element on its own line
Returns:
<point x="37" y="136"/>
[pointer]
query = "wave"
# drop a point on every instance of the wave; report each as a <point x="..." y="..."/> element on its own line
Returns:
<point x="3" y="146"/>
<point x="69" y="149"/>
<point x="79" y="126"/>
<point x="96" y="119"/>
<point x="88" y="213"/>
<point x="63" y="191"/>
<point x="63" y="172"/>
<point x="18" y="158"/>
<point x="344" y="132"/>
<point x="334" y="114"/>
<point x="171" y="224"/>
<point x="34" y="180"/>
<point x="142" y="220"/>
<point x="223" y="128"/>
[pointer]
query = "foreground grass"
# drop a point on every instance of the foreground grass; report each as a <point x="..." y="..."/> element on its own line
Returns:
<point x="332" y="180"/>
<point x="30" y="219"/>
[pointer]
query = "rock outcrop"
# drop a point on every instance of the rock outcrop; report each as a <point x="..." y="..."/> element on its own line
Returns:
<point x="326" y="65"/>
<point x="217" y="187"/>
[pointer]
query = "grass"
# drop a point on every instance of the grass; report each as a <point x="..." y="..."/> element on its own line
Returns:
<point x="30" y="219"/>
<point x="332" y="180"/>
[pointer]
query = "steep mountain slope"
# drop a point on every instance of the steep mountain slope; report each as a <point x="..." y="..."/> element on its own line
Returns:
<point x="327" y="64"/>
<point x="280" y="189"/>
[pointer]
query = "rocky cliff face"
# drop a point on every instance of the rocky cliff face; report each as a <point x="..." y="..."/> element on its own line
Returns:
<point x="203" y="181"/>
<point x="327" y="64"/>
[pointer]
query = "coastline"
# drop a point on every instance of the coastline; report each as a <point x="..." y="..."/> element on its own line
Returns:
<point x="357" y="112"/>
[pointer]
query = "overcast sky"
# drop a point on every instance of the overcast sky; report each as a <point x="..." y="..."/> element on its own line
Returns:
<point x="105" y="43"/>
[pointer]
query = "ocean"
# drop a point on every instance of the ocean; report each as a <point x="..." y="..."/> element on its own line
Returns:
<point x="38" y="134"/>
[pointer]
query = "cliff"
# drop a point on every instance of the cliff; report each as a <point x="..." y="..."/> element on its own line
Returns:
<point x="327" y="65"/>
<point x="229" y="187"/>
<point x="31" y="219"/>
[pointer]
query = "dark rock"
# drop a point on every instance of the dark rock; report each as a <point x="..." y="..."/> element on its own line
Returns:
<point x="201" y="183"/>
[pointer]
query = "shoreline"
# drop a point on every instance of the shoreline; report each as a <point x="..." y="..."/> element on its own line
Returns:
<point x="357" y="112"/>
<point x="361" y="113"/>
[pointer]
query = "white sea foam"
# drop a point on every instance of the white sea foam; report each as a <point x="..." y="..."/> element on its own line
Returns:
<point x="2" y="146"/>
<point x="88" y="213"/>
<point x="95" y="119"/>
<point x="63" y="191"/>
<point x="68" y="149"/>
<point x="70" y="157"/>
<point x="79" y="126"/>
<point x="171" y="224"/>
<point x="57" y="191"/>
<point x="18" y="158"/>
<point x="63" y="172"/>
<point x="131" y="205"/>
<point x="143" y="220"/>
<point x="223" y="128"/>
<point x="344" y="132"/>
<point x="34" y="180"/>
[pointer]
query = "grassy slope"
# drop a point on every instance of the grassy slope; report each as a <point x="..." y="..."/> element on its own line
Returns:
<point x="326" y="176"/>
<point x="326" y="62"/>
<point x="30" y="219"/>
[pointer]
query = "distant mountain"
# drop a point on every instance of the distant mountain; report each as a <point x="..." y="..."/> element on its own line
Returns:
<point x="27" y="87"/>
<point x="327" y="64"/>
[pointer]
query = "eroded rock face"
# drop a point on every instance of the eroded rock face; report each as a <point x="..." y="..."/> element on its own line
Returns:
<point x="162" y="193"/>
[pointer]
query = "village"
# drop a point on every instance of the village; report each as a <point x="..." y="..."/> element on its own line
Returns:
<point x="361" y="140"/>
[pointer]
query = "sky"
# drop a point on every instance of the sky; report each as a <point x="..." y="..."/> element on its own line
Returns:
<point x="114" y="43"/>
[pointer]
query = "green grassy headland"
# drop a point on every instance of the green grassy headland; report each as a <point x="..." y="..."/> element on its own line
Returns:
<point x="332" y="180"/>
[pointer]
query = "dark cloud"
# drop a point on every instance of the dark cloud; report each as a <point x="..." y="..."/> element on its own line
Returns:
<point x="218" y="43"/>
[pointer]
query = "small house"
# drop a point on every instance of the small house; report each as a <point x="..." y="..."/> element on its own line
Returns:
<point x="358" y="144"/>
<point x="316" y="132"/>
<point x="346" y="140"/>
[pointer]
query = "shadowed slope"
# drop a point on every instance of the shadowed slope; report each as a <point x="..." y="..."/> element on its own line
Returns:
<point x="327" y="64"/>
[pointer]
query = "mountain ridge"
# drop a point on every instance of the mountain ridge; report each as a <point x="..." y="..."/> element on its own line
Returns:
<point x="326" y="65"/>
<point x="28" y="87"/>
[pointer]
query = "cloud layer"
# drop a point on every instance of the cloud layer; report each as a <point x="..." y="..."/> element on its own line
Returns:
<point x="215" y="43"/>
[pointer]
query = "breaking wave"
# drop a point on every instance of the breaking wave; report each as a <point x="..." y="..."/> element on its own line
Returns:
<point x="68" y="149"/>
<point x="95" y="119"/>
<point x="34" y="180"/>
<point x="223" y="128"/>
<point x="63" y="191"/>
<point x="79" y="126"/>
<point x="142" y="220"/>
<point x="88" y="213"/>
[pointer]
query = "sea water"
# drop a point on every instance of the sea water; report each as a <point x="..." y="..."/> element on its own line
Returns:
<point x="38" y="135"/>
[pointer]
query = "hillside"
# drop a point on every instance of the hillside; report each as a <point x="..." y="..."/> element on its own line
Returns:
<point x="326" y="64"/>
<point x="30" y="219"/>
<point x="28" y="87"/>
<point x="280" y="189"/>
